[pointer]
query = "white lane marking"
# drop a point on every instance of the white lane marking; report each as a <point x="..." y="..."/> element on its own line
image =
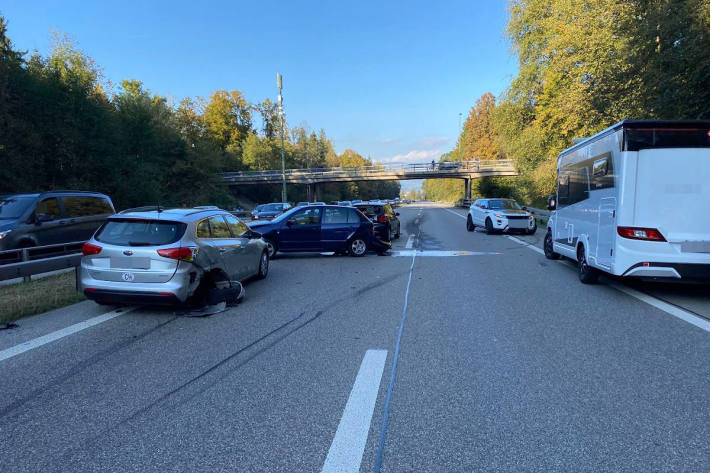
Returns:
<point x="670" y="309"/>
<point x="345" y="453"/>
<point x="441" y="253"/>
<point x="65" y="332"/>
<point x="525" y="243"/>
<point x="410" y="241"/>
<point x="454" y="212"/>
<point x="665" y="307"/>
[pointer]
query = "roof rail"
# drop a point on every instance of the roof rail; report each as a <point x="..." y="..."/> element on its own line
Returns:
<point x="69" y="191"/>
<point x="145" y="208"/>
<point x="206" y="207"/>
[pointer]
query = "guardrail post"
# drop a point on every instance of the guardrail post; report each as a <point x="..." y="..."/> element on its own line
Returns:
<point x="26" y="257"/>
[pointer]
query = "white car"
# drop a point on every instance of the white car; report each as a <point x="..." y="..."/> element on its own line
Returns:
<point x="500" y="215"/>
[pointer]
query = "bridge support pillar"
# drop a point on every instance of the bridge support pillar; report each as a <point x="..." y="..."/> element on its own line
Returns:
<point x="467" y="194"/>
<point x="311" y="192"/>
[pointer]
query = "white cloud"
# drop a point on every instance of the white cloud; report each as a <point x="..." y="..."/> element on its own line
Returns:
<point x="416" y="156"/>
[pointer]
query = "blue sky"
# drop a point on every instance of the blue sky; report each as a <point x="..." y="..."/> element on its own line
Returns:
<point x="387" y="79"/>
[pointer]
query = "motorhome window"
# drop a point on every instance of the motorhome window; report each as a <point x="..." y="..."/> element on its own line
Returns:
<point x="563" y="188"/>
<point x="600" y="167"/>
<point x="602" y="173"/>
<point x="578" y="184"/>
<point x="636" y="139"/>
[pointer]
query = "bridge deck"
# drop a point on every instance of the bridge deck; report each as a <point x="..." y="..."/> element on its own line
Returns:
<point x="380" y="172"/>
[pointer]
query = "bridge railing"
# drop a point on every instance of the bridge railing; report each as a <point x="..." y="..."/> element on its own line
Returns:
<point x="452" y="167"/>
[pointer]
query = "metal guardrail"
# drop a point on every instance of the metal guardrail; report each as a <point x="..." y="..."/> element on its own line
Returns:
<point x="27" y="262"/>
<point x="443" y="168"/>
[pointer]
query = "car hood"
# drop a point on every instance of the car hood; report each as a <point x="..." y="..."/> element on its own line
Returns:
<point x="7" y="224"/>
<point x="255" y="225"/>
<point x="513" y="212"/>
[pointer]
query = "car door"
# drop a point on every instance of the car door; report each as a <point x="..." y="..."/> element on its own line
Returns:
<point x="250" y="257"/>
<point x="84" y="214"/>
<point x="231" y="249"/>
<point x="335" y="229"/>
<point x="301" y="231"/>
<point x="49" y="222"/>
<point x="478" y="212"/>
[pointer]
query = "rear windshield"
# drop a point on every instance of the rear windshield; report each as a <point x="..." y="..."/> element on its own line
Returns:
<point x="648" y="138"/>
<point x="14" y="207"/>
<point x="133" y="232"/>
<point x="370" y="210"/>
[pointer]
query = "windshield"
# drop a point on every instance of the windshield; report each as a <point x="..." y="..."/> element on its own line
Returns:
<point x="286" y="214"/>
<point x="506" y="204"/>
<point x="132" y="232"/>
<point x="14" y="207"/>
<point x="370" y="210"/>
<point x="272" y="207"/>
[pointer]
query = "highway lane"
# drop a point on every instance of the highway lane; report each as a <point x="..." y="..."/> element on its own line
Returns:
<point x="506" y="363"/>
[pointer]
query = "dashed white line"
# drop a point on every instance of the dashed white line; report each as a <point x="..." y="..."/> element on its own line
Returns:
<point x="65" y="332"/>
<point x="410" y="241"/>
<point x="525" y="243"/>
<point x="670" y="309"/>
<point x="665" y="307"/>
<point x="455" y="213"/>
<point x="345" y="453"/>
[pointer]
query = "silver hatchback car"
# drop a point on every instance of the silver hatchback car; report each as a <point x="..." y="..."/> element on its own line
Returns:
<point x="170" y="256"/>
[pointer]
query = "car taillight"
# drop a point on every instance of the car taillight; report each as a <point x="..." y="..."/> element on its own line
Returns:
<point x="382" y="219"/>
<point x="637" y="233"/>
<point x="88" y="249"/>
<point x="183" y="253"/>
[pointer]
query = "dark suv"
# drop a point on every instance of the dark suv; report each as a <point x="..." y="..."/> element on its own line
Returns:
<point x="50" y="218"/>
<point x="384" y="218"/>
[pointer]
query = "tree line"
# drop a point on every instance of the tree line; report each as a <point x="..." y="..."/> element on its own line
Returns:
<point x="63" y="126"/>
<point x="583" y="66"/>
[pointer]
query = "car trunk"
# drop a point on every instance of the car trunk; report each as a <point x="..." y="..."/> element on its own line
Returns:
<point x="673" y="195"/>
<point x="129" y="251"/>
<point x="142" y="265"/>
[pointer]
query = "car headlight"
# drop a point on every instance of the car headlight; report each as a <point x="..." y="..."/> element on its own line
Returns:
<point x="4" y="234"/>
<point x="530" y="217"/>
<point x="499" y="216"/>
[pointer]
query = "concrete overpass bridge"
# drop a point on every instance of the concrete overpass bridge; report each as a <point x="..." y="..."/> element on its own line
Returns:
<point x="466" y="170"/>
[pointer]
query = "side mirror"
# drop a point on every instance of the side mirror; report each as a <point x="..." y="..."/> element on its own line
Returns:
<point x="289" y="223"/>
<point x="397" y="214"/>
<point x="525" y="207"/>
<point x="254" y="235"/>
<point x="552" y="202"/>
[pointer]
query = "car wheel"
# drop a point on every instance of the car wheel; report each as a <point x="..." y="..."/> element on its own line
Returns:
<point x="489" y="226"/>
<point x="547" y="246"/>
<point x="469" y="224"/>
<point x="587" y="274"/>
<point x="263" y="265"/>
<point x="271" y="248"/>
<point x="357" y="247"/>
<point x="532" y="230"/>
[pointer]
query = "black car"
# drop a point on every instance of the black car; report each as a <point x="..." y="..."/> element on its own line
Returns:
<point x="269" y="211"/>
<point x="321" y="228"/>
<point x="50" y="218"/>
<point x="384" y="218"/>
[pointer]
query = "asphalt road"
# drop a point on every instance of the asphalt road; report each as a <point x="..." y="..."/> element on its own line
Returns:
<point x="504" y="362"/>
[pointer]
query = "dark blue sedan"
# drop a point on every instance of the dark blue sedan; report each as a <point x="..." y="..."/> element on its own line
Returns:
<point x="321" y="228"/>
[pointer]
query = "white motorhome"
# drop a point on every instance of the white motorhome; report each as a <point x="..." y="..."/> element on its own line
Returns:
<point x="634" y="200"/>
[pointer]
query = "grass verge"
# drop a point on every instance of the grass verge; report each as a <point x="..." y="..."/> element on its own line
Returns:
<point x="34" y="297"/>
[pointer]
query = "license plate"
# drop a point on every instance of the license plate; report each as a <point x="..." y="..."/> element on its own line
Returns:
<point x="129" y="262"/>
<point x="128" y="277"/>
